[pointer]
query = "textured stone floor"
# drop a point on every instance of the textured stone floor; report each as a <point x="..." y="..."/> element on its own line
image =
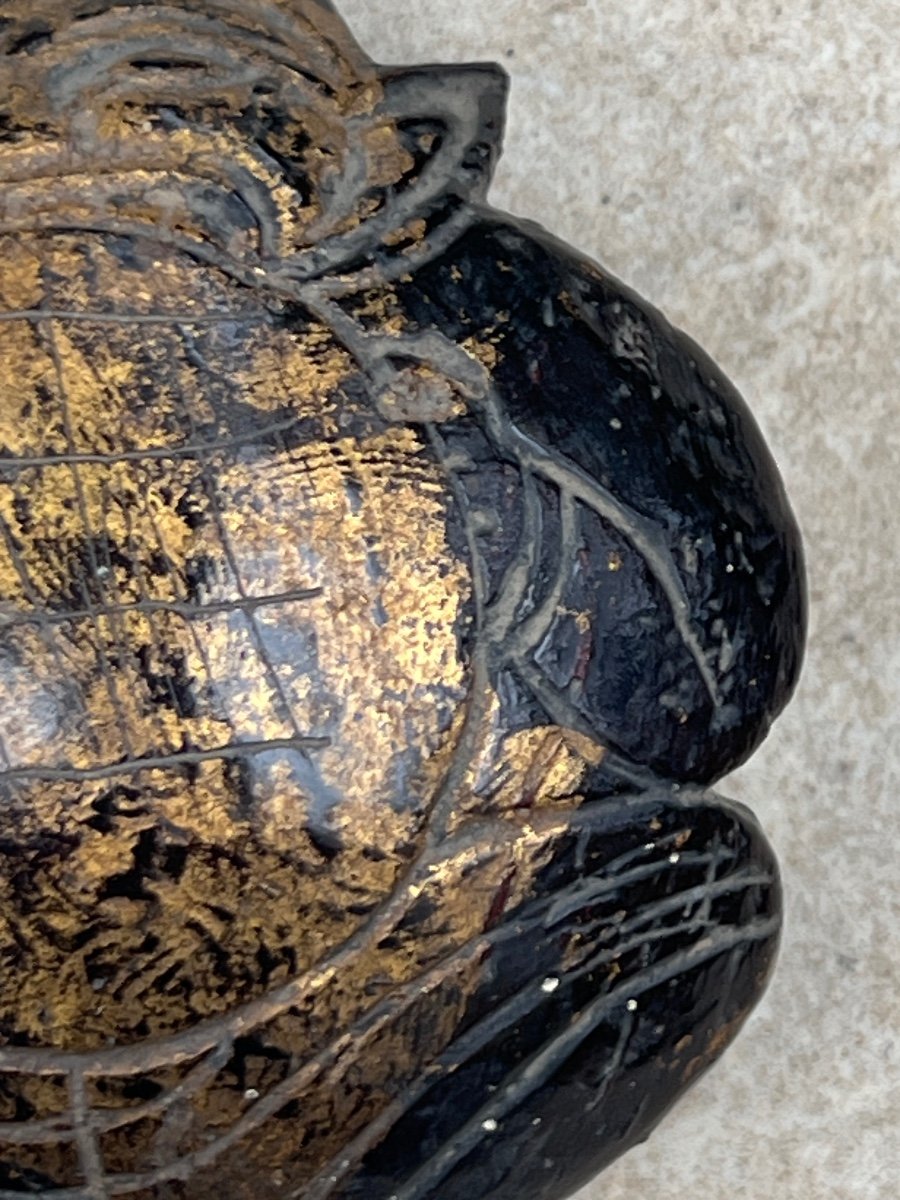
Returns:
<point x="738" y="161"/>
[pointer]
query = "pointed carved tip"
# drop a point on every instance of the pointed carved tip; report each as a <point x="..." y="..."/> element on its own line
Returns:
<point x="469" y="99"/>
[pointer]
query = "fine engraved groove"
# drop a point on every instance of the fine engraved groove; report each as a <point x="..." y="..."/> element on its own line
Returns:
<point x="175" y="607"/>
<point x="162" y="762"/>
<point x="293" y="1086"/>
<point x="513" y="588"/>
<point x="66" y="1193"/>
<point x="455" y="1055"/>
<point x="113" y="1061"/>
<point x="86" y="1139"/>
<point x="532" y="631"/>
<point x="618" y="1057"/>
<point x="374" y="352"/>
<point x="477" y="700"/>
<point x="523" y="1002"/>
<point x="563" y="712"/>
<point x="48" y="335"/>
<point x="185" y="450"/>
<point x="518" y="1006"/>
<point x="532" y="1074"/>
<point x="436" y="243"/>
<point x="206" y="1035"/>
<point x="59" y="1129"/>
<point x="171" y="1107"/>
<point x="639" y="530"/>
<point x="196" y="359"/>
<point x="198" y="641"/>
<point x="372" y="1022"/>
<point x="705" y="903"/>
<point x="376" y="1019"/>
<point x="50" y="643"/>
<point x="588" y="889"/>
<point x="260" y="316"/>
<point x="645" y="938"/>
<point x="115" y="615"/>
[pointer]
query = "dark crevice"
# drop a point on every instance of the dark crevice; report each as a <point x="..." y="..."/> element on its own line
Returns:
<point x="29" y="42"/>
<point x="166" y="64"/>
<point x="130" y="884"/>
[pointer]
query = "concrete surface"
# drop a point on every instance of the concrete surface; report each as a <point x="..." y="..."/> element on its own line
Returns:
<point x="738" y="161"/>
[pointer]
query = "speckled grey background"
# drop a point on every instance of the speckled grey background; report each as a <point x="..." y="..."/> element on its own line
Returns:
<point x="738" y="161"/>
